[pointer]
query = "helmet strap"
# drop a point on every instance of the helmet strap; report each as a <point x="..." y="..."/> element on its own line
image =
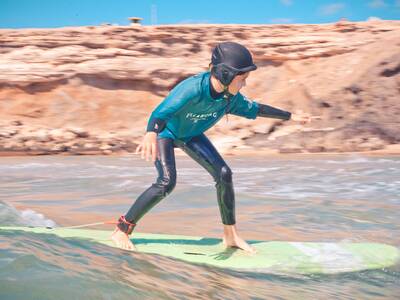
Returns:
<point x="226" y="92"/>
<point x="227" y="96"/>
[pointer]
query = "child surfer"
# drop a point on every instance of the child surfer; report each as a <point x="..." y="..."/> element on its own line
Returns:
<point x="180" y="120"/>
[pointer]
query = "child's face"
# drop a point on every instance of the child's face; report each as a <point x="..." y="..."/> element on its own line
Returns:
<point x="237" y="83"/>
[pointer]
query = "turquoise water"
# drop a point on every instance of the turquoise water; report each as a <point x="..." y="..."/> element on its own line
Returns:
<point x="332" y="199"/>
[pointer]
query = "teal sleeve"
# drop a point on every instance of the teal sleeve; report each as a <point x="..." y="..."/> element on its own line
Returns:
<point x="244" y="107"/>
<point x="178" y="97"/>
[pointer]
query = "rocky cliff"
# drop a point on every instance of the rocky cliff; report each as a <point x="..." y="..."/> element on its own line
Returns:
<point x="84" y="90"/>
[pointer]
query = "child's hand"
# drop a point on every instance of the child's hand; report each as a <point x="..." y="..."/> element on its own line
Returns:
<point x="148" y="147"/>
<point x="303" y="118"/>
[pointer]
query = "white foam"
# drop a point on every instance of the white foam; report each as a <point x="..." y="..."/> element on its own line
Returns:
<point x="33" y="218"/>
<point x="124" y="183"/>
<point x="34" y="165"/>
<point x="11" y="216"/>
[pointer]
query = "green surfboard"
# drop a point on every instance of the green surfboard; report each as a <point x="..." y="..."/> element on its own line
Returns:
<point x="271" y="256"/>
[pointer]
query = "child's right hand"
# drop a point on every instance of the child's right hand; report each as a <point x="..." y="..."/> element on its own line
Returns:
<point x="148" y="147"/>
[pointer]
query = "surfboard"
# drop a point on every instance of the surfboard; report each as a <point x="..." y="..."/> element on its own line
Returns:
<point x="271" y="256"/>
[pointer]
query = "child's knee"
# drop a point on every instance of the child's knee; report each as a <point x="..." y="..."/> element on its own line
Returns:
<point x="166" y="184"/>
<point x="226" y="174"/>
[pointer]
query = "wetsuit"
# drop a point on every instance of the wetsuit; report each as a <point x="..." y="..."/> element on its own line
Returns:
<point x="180" y="120"/>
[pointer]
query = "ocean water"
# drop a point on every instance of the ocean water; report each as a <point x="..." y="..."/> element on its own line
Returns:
<point x="289" y="198"/>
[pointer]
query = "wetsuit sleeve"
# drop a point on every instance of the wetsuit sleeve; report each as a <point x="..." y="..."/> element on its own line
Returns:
<point x="178" y="97"/>
<point x="244" y="107"/>
<point x="272" y="112"/>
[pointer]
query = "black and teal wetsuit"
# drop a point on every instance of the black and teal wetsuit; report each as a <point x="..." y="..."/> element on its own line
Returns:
<point x="190" y="110"/>
<point x="180" y="120"/>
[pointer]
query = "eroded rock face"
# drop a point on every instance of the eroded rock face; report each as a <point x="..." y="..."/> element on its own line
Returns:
<point x="84" y="90"/>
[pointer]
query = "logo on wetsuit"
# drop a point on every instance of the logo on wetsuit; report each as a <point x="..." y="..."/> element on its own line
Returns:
<point x="200" y="117"/>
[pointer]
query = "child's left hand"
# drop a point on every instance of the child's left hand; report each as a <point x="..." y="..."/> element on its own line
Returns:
<point x="303" y="118"/>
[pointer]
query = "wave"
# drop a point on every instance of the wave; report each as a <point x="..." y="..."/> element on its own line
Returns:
<point x="10" y="216"/>
<point x="42" y="266"/>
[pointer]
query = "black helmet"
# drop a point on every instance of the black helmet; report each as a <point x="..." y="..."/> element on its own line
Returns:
<point x="230" y="59"/>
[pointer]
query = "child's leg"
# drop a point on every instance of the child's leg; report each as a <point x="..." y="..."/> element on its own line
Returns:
<point x="202" y="151"/>
<point x="164" y="185"/>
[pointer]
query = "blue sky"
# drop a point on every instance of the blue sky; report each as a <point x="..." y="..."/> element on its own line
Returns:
<point x="60" y="13"/>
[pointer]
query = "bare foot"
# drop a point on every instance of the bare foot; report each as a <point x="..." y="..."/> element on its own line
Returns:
<point x="238" y="242"/>
<point x="121" y="240"/>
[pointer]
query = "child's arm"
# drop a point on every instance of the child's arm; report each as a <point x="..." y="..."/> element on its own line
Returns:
<point x="179" y="96"/>
<point x="244" y="107"/>
<point x="273" y="112"/>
